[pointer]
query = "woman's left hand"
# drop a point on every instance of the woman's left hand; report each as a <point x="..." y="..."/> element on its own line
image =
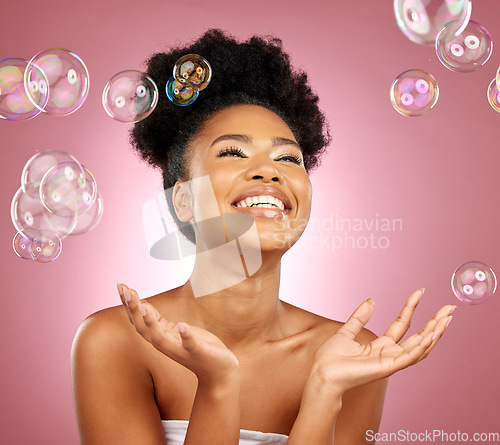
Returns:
<point x="341" y="363"/>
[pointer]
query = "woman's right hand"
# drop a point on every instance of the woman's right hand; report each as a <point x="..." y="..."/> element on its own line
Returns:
<point x="195" y="348"/>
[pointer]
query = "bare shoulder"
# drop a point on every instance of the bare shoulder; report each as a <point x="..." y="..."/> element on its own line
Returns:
<point x="324" y="327"/>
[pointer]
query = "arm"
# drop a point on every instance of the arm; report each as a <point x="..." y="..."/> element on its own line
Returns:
<point x="345" y="367"/>
<point x="215" y="416"/>
<point x="113" y="395"/>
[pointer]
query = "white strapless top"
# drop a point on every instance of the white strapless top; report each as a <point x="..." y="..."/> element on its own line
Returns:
<point x="175" y="433"/>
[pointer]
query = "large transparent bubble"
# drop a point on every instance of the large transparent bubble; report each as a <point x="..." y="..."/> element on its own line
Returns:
<point x="414" y="93"/>
<point x="28" y="212"/>
<point x="465" y="52"/>
<point x="181" y="92"/>
<point x="90" y="218"/>
<point x="36" y="167"/>
<point x="130" y="96"/>
<point x="67" y="77"/>
<point x="15" y="105"/>
<point x="194" y="69"/>
<point x="474" y="282"/>
<point x="421" y="20"/>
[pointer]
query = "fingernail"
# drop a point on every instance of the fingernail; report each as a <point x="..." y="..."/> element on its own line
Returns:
<point x="371" y="301"/>
<point x="142" y="308"/>
<point x="434" y="336"/>
<point x="120" y="289"/>
<point x="452" y="309"/>
<point x="448" y="322"/>
<point x="127" y="295"/>
<point x="181" y="327"/>
<point x="422" y="291"/>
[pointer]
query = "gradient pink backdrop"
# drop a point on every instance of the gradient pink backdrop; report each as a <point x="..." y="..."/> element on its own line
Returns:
<point x="439" y="174"/>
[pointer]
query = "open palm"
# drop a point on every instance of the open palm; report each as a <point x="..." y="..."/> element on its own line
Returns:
<point x="344" y="363"/>
<point x="195" y="348"/>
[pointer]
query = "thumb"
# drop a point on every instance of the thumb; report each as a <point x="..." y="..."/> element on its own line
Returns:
<point x="358" y="319"/>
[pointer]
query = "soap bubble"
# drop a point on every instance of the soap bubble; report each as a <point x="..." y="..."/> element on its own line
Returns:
<point x="421" y="20"/>
<point x="494" y="95"/>
<point x="26" y="244"/>
<point x="498" y="78"/>
<point x="466" y="52"/>
<point x="414" y="93"/>
<point x="474" y="282"/>
<point x="50" y="246"/>
<point x="65" y="190"/>
<point x="195" y="69"/>
<point x="15" y="104"/>
<point x="90" y="218"/>
<point x="28" y="212"/>
<point x="180" y="92"/>
<point x="130" y="96"/>
<point x="38" y="165"/>
<point x="67" y="77"/>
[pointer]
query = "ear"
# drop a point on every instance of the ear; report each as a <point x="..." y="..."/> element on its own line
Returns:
<point x="181" y="198"/>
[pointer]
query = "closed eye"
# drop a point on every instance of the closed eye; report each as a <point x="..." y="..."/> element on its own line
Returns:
<point x="231" y="151"/>
<point x="291" y="158"/>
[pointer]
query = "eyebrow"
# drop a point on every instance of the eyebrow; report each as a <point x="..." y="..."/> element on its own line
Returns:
<point x="247" y="139"/>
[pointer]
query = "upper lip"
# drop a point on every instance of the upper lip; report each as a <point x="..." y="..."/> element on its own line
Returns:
<point x="265" y="190"/>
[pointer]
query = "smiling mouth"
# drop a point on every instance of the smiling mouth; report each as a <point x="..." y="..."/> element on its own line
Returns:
<point x="261" y="201"/>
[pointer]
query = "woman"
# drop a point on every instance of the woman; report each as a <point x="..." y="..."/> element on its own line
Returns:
<point x="205" y="364"/>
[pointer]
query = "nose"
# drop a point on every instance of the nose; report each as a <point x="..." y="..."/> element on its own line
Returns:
<point x="264" y="170"/>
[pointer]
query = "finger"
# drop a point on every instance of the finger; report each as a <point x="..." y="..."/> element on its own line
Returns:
<point x="352" y="327"/>
<point x="120" y="288"/>
<point x="187" y="336"/>
<point x="132" y="299"/>
<point x="442" y="313"/>
<point x="400" y="326"/>
<point x="430" y="326"/>
<point x="437" y="334"/>
<point x="161" y="334"/>
<point x="411" y="356"/>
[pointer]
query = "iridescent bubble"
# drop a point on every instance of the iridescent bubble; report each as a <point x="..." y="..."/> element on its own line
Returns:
<point x="498" y="78"/>
<point x="90" y="218"/>
<point x="67" y="77"/>
<point x="130" y="96"/>
<point x="65" y="190"/>
<point x="414" y="93"/>
<point x="421" y="20"/>
<point x="465" y="52"/>
<point x="28" y="212"/>
<point x="38" y="165"/>
<point x="50" y="246"/>
<point x="494" y="95"/>
<point x="15" y="104"/>
<point x="474" y="282"/>
<point x="26" y="244"/>
<point x="180" y="92"/>
<point x="195" y="69"/>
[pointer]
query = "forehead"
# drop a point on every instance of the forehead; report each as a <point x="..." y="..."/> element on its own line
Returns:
<point x="252" y="120"/>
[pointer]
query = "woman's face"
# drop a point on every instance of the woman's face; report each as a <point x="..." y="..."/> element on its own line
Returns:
<point x="255" y="167"/>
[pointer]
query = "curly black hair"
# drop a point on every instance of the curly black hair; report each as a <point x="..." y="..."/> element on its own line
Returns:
<point x="257" y="72"/>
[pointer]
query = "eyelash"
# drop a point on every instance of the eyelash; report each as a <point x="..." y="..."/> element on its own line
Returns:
<point x="238" y="151"/>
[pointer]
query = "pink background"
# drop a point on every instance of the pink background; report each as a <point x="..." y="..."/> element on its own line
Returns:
<point x="437" y="173"/>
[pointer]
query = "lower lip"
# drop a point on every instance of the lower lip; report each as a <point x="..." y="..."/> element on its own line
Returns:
<point x="263" y="212"/>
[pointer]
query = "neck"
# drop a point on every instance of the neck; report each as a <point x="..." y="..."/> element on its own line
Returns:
<point x="236" y="300"/>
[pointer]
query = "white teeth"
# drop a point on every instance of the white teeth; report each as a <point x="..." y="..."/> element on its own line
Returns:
<point x="266" y="201"/>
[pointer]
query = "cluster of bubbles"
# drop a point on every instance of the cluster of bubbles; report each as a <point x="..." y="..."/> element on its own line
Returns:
<point x="131" y="95"/>
<point x="192" y="73"/>
<point x="58" y="197"/>
<point x="54" y="81"/>
<point x="461" y="45"/>
<point x="474" y="282"/>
